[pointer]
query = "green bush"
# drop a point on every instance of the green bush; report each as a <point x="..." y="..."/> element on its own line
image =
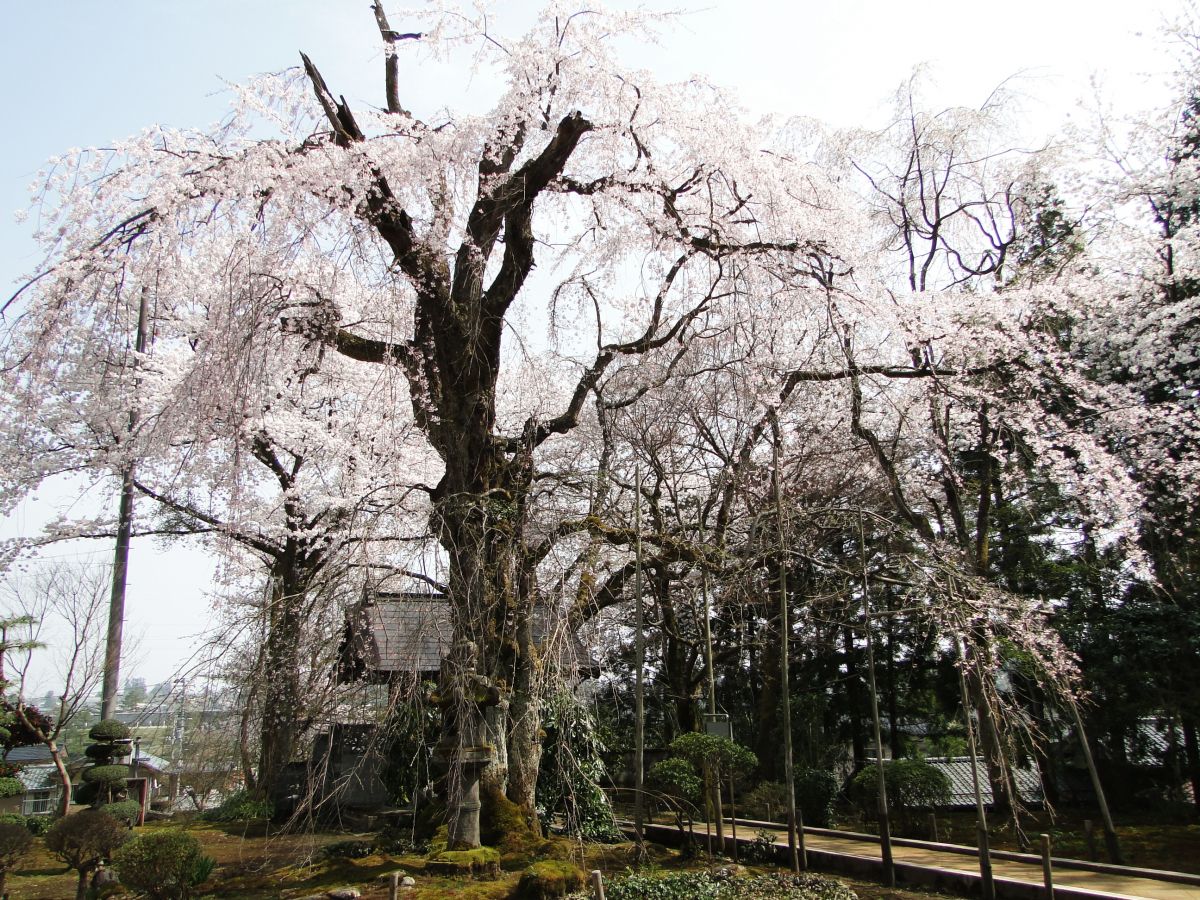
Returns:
<point x="11" y="787"/>
<point x="913" y="785"/>
<point x="816" y="793"/>
<point x="38" y="825"/>
<point x="762" y="849"/>
<point x="109" y="730"/>
<point x="677" y="778"/>
<point x="700" y="749"/>
<point x="84" y="840"/>
<point x="239" y="806"/>
<point x="126" y="811"/>
<point x="163" y="865"/>
<point x="673" y="886"/>
<point x="572" y="770"/>
<point x="35" y="825"/>
<point x="766" y="801"/>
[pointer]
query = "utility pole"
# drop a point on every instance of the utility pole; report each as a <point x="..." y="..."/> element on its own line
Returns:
<point x="796" y="852"/>
<point x="116" y="603"/>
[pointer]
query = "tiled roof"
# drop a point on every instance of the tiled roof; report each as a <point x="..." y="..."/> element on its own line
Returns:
<point x="962" y="789"/>
<point x="411" y="632"/>
<point x="36" y="753"/>
<point x="150" y="761"/>
<point x="38" y="778"/>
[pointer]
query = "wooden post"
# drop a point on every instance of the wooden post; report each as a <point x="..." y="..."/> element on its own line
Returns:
<point x="639" y="695"/>
<point x="985" y="859"/>
<point x="1089" y="835"/>
<point x="597" y="884"/>
<point x="796" y="855"/>
<point x="933" y="831"/>
<point x="733" y="817"/>
<point x="1047" y="875"/>
<point x="394" y="886"/>
<point x="1110" y="831"/>
<point x="885" y="826"/>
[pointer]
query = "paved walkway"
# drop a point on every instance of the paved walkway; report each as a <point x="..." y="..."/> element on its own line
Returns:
<point x="1111" y="883"/>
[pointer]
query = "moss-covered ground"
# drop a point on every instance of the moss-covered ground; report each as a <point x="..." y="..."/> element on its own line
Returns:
<point x="258" y="864"/>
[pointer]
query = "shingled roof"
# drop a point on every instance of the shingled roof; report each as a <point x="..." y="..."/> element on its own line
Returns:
<point x="411" y="632"/>
<point x="962" y="786"/>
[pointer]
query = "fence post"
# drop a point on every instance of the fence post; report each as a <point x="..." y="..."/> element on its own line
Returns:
<point x="597" y="884"/>
<point x="1089" y="833"/>
<point x="1047" y="875"/>
<point x="394" y="886"/>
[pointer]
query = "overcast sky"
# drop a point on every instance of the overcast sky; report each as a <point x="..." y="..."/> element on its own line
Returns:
<point x="81" y="73"/>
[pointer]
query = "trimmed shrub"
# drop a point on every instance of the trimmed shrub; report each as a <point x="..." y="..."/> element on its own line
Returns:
<point x="83" y="841"/>
<point x="163" y="865"/>
<point x="104" y="782"/>
<point x="15" y="841"/>
<point x="240" y="806"/>
<point x="11" y="787"/>
<point x="126" y="811"/>
<point x="106" y="774"/>
<point x="109" y="730"/>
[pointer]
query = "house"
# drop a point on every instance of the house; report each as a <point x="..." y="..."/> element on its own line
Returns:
<point x="39" y="777"/>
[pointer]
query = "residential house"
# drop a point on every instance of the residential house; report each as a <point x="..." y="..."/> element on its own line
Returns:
<point x="39" y="776"/>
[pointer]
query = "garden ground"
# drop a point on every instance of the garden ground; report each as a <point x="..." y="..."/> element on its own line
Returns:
<point x="255" y="865"/>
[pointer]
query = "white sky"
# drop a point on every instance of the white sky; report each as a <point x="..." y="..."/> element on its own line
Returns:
<point x="81" y="73"/>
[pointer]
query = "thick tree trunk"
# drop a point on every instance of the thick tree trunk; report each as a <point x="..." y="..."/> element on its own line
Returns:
<point x="524" y="745"/>
<point x="283" y="705"/>
<point x="492" y="603"/>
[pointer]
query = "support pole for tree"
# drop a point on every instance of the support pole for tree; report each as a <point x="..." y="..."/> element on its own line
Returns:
<point x="985" y="858"/>
<point x="639" y="656"/>
<point x="1047" y="869"/>
<point x="796" y="853"/>
<point x="1110" y="832"/>
<point x="116" y="603"/>
<point x="885" y="827"/>
<point x="712" y="712"/>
